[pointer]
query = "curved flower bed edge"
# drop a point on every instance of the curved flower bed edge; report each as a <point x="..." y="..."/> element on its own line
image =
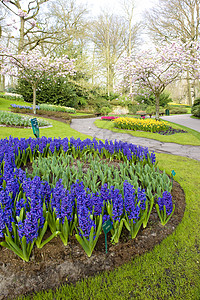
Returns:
<point x="29" y="207"/>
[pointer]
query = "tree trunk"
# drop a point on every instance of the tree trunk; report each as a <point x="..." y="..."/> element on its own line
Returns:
<point x="1" y="83"/>
<point x="157" y="106"/>
<point x="34" y="99"/>
<point x="2" y="80"/>
<point x="21" y="38"/>
<point x="189" y="89"/>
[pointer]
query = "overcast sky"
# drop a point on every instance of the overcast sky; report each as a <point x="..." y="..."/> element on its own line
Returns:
<point x="115" y="6"/>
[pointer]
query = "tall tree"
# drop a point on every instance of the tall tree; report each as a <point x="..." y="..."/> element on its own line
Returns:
<point x="108" y="33"/>
<point x="132" y="26"/>
<point x="68" y="20"/>
<point x="176" y="19"/>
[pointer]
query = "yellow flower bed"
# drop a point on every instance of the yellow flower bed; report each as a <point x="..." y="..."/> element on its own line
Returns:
<point x="151" y="125"/>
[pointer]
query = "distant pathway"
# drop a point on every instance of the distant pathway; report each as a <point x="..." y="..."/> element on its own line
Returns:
<point x="184" y="120"/>
<point x="86" y="126"/>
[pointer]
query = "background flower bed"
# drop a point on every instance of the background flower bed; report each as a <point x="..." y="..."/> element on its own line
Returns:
<point x="108" y="118"/>
<point x="46" y="107"/>
<point x="151" y="125"/>
<point x="8" y="118"/>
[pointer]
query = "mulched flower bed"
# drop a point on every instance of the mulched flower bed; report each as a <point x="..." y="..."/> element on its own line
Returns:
<point x="57" y="264"/>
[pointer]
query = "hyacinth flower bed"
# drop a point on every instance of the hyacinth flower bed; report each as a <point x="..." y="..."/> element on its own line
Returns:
<point x="171" y="131"/>
<point x="11" y="119"/>
<point x="46" y="107"/>
<point x="108" y="118"/>
<point x="24" y="106"/>
<point x="151" y="125"/>
<point x="60" y="202"/>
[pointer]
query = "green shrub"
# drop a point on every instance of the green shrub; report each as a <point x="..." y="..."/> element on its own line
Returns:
<point x="151" y="110"/>
<point x="100" y="103"/>
<point x="196" y="102"/>
<point x="196" y="108"/>
<point x="60" y="92"/>
<point x="196" y="111"/>
<point x="111" y="97"/>
<point x="133" y="108"/>
<point x="82" y="102"/>
<point x="105" y="110"/>
<point x="164" y="99"/>
<point x="115" y="102"/>
<point x="177" y="110"/>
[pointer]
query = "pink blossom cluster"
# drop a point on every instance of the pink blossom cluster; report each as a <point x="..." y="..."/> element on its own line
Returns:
<point x="33" y="66"/>
<point x="22" y="13"/>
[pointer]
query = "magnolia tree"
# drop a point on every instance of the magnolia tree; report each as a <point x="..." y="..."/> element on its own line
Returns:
<point x="153" y="71"/>
<point x="33" y="67"/>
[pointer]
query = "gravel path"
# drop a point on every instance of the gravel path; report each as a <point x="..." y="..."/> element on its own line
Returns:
<point x="86" y="126"/>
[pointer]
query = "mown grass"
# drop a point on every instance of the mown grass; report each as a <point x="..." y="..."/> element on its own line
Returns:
<point x="190" y="138"/>
<point x="5" y="103"/>
<point x="170" y="271"/>
<point x="58" y="129"/>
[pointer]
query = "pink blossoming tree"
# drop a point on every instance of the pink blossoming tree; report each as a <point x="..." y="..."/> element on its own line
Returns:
<point x="33" y="67"/>
<point x="153" y="71"/>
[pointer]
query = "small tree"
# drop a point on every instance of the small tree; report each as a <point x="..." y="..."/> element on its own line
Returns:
<point x="33" y="67"/>
<point x="153" y="71"/>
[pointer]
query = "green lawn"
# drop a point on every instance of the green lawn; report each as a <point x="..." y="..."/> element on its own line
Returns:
<point x="59" y="129"/>
<point x="170" y="271"/>
<point x="190" y="138"/>
<point x="5" y="104"/>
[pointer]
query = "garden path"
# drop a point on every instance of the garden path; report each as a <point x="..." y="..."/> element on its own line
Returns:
<point x="184" y="120"/>
<point x="87" y="126"/>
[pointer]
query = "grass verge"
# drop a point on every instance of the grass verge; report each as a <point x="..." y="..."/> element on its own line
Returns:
<point x="192" y="137"/>
<point x="170" y="271"/>
<point x="195" y="133"/>
<point x="59" y="129"/>
<point x="5" y="103"/>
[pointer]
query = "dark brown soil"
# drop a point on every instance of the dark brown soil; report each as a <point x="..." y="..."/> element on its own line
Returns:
<point x="56" y="264"/>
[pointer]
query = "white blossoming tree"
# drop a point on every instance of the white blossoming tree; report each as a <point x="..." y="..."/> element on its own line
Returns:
<point x="33" y="67"/>
<point x="153" y="71"/>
